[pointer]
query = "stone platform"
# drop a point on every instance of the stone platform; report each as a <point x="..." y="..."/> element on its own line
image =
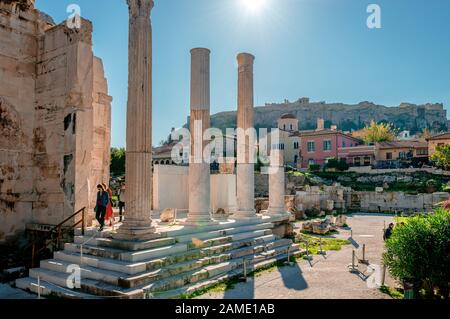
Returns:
<point x="179" y="260"/>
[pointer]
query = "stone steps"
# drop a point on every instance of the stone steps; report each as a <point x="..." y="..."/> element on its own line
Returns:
<point x="128" y="281"/>
<point x="175" y="258"/>
<point x="49" y="289"/>
<point x="73" y="256"/>
<point x="220" y="278"/>
<point x="154" y="253"/>
<point x="101" y="288"/>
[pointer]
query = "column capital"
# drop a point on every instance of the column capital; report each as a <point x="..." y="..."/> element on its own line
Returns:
<point x="140" y="8"/>
<point x="245" y="59"/>
<point x="204" y="51"/>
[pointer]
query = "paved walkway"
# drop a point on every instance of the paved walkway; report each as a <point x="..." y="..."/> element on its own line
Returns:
<point x="326" y="277"/>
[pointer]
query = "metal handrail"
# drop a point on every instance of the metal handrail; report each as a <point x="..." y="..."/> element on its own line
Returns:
<point x="59" y="230"/>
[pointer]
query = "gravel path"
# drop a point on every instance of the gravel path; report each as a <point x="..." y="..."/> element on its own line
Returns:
<point x="326" y="277"/>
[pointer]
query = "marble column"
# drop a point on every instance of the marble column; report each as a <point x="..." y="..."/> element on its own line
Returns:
<point x="138" y="170"/>
<point x="276" y="183"/>
<point x="199" y="170"/>
<point x="245" y="175"/>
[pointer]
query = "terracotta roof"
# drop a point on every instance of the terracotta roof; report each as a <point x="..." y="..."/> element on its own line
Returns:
<point x="442" y="136"/>
<point x="288" y="116"/>
<point x="403" y="144"/>
<point x="323" y="132"/>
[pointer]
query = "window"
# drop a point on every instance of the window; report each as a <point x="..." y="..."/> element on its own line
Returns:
<point x="367" y="161"/>
<point x="296" y="146"/>
<point x="344" y="144"/>
<point x="388" y="156"/>
<point x="422" y="151"/>
<point x="402" y="155"/>
<point x="284" y="127"/>
<point x="311" y="161"/>
<point x="327" y="146"/>
<point x="311" y="147"/>
<point x="357" y="161"/>
<point x="291" y="127"/>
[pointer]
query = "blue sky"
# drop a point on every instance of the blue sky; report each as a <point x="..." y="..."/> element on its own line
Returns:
<point x="321" y="49"/>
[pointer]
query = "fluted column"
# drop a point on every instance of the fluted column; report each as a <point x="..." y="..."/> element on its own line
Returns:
<point x="245" y="163"/>
<point x="276" y="183"/>
<point x="138" y="170"/>
<point x="199" y="170"/>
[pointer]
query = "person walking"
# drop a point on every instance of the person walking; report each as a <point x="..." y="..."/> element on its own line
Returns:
<point x="121" y="201"/>
<point x="388" y="232"/>
<point x="100" y="206"/>
<point x="109" y="217"/>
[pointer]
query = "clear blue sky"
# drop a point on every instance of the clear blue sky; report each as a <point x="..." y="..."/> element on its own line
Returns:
<point x="321" y="49"/>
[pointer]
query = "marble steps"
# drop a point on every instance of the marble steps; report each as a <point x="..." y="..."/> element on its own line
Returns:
<point x="221" y="278"/>
<point x="124" y="244"/>
<point x="155" y="253"/>
<point x="73" y="256"/>
<point x="129" y="281"/>
<point x="99" y="288"/>
<point x="219" y="233"/>
<point x="49" y="289"/>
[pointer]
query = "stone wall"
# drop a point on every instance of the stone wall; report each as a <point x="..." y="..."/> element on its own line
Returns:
<point x="171" y="189"/>
<point x="398" y="201"/>
<point x="54" y="119"/>
<point x="293" y="183"/>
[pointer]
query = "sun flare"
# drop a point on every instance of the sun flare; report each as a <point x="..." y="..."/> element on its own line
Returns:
<point x="254" y="6"/>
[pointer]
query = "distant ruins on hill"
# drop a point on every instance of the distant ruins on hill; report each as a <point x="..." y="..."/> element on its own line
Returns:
<point x="347" y="117"/>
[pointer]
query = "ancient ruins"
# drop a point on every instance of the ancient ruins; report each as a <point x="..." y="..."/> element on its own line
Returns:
<point x="55" y="115"/>
<point x="147" y="258"/>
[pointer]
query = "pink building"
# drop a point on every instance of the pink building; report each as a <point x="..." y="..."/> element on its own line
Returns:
<point x="317" y="146"/>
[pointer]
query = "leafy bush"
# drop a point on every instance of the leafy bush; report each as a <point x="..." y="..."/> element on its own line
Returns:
<point x="419" y="251"/>
<point x="441" y="158"/>
<point x="314" y="168"/>
<point x="340" y="165"/>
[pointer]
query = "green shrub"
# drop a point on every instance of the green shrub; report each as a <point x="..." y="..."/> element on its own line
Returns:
<point x="314" y="168"/>
<point x="419" y="251"/>
<point x="340" y="165"/>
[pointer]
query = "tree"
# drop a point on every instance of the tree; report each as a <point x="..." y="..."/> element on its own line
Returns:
<point x="418" y="252"/>
<point x="117" y="167"/>
<point x="426" y="134"/>
<point x="340" y="165"/>
<point x="441" y="157"/>
<point x="378" y="132"/>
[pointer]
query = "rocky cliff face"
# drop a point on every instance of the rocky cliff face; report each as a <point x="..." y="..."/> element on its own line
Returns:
<point x="347" y="117"/>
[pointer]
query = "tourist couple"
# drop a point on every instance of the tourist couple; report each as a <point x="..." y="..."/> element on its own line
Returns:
<point x="104" y="208"/>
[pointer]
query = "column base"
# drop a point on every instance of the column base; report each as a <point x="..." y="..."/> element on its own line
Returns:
<point x="245" y="215"/>
<point x="199" y="220"/>
<point x="277" y="214"/>
<point x="136" y="230"/>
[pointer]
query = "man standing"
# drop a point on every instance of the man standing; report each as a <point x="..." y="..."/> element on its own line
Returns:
<point x="101" y="204"/>
<point x="121" y="201"/>
<point x="388" y="232"/>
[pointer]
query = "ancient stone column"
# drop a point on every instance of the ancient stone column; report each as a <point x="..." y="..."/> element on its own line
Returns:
<point x="138" y="169"/>
<point x="199" y="169"/>
<point x="245" y="175"/>
<point x="276" y="183"/>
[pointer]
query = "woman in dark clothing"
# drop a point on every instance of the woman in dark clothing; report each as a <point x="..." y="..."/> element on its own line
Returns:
<point x="100" y="207"/>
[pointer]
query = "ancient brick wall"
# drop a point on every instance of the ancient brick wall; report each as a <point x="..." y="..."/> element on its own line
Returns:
<point x="54" y="120"/>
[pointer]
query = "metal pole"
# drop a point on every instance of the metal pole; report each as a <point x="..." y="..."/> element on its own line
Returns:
<point x="364" y="252"/>
<point x="81" y="254"/>
<point x="83" y="223"/>
<point x="39" y="287"/>
<point x="383" y="275"/>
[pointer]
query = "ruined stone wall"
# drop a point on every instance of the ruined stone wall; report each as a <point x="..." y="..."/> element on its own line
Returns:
<point x="18" y="47"/>
<point x="54" y="145"/>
